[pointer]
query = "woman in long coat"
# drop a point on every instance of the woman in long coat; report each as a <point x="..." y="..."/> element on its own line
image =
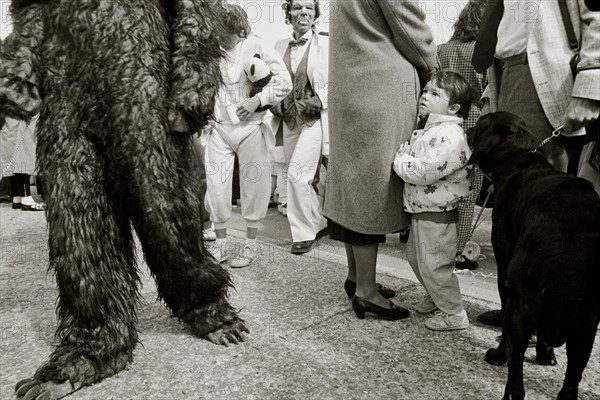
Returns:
<point x="380" y="51"/>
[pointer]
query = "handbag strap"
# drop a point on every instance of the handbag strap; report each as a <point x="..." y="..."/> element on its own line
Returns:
<point x="564" y="12"/>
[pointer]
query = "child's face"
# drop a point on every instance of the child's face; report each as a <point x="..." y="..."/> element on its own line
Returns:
<point x="228" y="41"/>
<point x="434" y="100"/>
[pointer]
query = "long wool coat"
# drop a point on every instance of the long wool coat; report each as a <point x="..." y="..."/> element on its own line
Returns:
<point x="380" y="50"/>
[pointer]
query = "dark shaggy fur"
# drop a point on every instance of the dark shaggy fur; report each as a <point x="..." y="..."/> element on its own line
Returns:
<point x="119" y="85"/>
<point x="546" y="236"/>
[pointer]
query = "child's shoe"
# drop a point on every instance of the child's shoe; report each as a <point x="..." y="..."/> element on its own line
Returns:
<point x="425" y="306"/>
<point x="218" y="252"/>
<point x="247" y="255"/>
<point x="448" y="322"/>
<point x="209" y="234"/>
<point x="282" y="209"/>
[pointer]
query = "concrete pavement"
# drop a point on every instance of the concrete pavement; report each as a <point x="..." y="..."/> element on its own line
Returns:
<point x="305" y="341"/>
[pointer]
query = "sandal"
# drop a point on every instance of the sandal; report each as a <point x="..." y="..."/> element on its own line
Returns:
<point x="33" y="207"/>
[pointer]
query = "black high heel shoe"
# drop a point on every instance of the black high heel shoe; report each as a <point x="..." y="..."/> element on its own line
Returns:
<point x="394" y="313"/>
<point x="350" y="288"/>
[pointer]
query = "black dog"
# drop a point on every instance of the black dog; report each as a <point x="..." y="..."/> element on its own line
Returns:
<point x="546" y="236"/>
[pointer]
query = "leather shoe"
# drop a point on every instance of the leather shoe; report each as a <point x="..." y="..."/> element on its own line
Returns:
<point x="393" y="313"/>
<point x="302" y="247"/>
<point x="350" y="288"/>
<point x="493" y="318"/>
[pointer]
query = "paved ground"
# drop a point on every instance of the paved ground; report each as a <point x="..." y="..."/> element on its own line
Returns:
<point x="305" y="342"/>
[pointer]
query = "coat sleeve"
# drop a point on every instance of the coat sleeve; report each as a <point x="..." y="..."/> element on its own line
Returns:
<point x="411" y="35"/>
<point x="195" y="73"/>
<point x="587" y="80"/>
<point x="19" y="59"/>
<point x="280" y="84"/>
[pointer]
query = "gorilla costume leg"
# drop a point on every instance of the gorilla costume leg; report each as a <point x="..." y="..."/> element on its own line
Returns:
<point x="121" y="85"/>
<point x="91" y="254"/>
<point x="190" y="283"/>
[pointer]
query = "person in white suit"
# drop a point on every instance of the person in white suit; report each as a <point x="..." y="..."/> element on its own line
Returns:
<point x="525" y="48"/>
<point x="303" y="118"/>
<point x="241" y="128"/>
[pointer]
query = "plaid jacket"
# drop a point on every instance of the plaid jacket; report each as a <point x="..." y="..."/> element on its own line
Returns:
<point x="456" y="56"/>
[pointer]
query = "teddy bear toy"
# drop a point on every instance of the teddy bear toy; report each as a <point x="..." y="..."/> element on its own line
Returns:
<point x="259" y="73"/>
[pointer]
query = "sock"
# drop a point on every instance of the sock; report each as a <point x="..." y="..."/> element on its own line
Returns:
<point x="16" y="199"/>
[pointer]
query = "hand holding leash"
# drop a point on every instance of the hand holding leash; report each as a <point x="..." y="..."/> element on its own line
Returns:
<point x="580" y="113"/>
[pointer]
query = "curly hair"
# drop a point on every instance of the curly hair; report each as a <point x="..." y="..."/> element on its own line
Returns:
<point x="458" y="89"/>
<point x="287" y="8"/>
<point x="235" y="20"/>
<point x="466" y="26"/>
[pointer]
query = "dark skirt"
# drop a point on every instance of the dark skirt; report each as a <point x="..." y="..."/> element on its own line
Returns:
<point x="339" y="233"/>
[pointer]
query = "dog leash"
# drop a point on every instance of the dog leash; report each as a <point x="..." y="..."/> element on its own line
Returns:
<point x="555" y="133"/>
<point x="487" y="197"/>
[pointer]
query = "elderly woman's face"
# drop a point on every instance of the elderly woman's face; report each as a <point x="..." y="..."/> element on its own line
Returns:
<point x="302" y="16"/>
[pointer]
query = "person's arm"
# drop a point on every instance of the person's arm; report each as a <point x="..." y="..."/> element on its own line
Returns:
<point x="280" y="84"/>
<point x="19" y="85"/>
<point x="275" y="91"/>
<point x="195" y="65"/>
<point x="441" y="158"/>
<point x="585" y="104"/>
<point x="411" y="34"/>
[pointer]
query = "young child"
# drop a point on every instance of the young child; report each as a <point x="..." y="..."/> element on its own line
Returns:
<point x="433" y="166"/>
<point x="241" y="129"/>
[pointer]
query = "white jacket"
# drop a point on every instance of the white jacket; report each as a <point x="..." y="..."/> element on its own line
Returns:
<point x="318" y="75"/>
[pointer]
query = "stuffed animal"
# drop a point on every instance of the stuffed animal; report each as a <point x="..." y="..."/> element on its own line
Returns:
<point x="259" y="73"/>
<point x="120" y="85"/>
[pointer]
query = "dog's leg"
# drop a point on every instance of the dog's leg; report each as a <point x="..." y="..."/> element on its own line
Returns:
<point x="544" y="355"/>
<point x="518" y="328"/>
<point x="497" y="356"/>
<point x="579" y="348"/>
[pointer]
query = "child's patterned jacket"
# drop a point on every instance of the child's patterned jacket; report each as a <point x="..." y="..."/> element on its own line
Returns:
<point x="434" y="169"/>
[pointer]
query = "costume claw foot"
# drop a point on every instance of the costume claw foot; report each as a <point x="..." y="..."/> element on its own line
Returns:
<point x="33" y="389"/>
<point x="229" y="332"/>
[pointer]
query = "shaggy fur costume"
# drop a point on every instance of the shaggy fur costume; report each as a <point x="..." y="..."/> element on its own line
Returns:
<point x="119" y="84"/>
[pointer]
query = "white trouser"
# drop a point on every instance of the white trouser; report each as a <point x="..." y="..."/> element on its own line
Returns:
<point x="302" y="153"/>
<point x="255" y="175"/>
<point x="279" y="164"/>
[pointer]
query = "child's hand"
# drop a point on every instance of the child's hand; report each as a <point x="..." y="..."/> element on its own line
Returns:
<point x="247" y="107"/>
<point x="403" y="149"/>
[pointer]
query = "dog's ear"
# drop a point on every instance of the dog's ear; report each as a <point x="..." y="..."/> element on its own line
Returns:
<point x="483" y="139"/>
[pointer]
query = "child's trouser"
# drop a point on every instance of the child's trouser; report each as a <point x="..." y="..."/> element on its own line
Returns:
<point x="431" y="254"/>
<point x="223" y="143"/>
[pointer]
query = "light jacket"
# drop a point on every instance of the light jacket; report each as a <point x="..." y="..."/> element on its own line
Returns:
<point x="318" y="76"/>
<point x="236" y="88"/>
<point x="549" y="56"/>
<point x="434" y="169"/>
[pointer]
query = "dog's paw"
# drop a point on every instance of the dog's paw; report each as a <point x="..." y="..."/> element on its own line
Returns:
<point x="230" y="332"/>
<point x="33" y="389"/>
<point x="545" y="356"/>
<point x="495" y="357"/>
